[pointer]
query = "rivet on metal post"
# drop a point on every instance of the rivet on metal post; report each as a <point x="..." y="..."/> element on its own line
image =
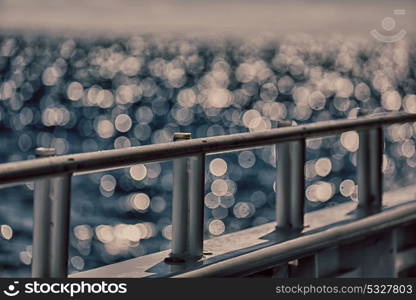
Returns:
<point x="283" y="182"/>
<point x="180" y="206"/>
<point x="41" y="222"/>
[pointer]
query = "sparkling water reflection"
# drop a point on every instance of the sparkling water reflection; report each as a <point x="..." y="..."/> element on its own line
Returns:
<point x="80" y="95"/>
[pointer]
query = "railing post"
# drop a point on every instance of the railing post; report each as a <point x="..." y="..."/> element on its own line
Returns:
<point x="180" y="206"/>
<point x="283" y="182"/>
<point x="376" y="175"/>
<point x="290" y="195"/>
<point x="60" y="219"/>
<point x="363" y="170"/>
<point x="297" y="184"/>
<point x="41" y="222"/>
<point x="187" y="206"/>
<point x="196" y="205"/>
<point x="369" y="168"/>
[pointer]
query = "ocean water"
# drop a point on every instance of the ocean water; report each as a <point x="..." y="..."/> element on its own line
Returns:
<point x="81" y="93"/>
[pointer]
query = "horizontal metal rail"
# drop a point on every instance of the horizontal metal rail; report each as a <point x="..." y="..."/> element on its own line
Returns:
<point x="25" y="171"/>
<point x="293" y="249"/>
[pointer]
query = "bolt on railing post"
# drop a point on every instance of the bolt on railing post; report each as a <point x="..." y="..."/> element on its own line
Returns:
<point x="283" y="182"/>
<point x="41" y="222"/>
<point x="297" y="183"/>
<point x="60" y="219"/>
<point x="196" y="205"/>
<point x="180" y="205"/>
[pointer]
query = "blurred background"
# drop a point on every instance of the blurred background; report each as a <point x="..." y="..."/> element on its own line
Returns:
<point x="83" y="76"/>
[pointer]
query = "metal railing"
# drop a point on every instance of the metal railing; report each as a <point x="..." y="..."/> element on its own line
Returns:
<point x="52" y="176"/>
<point x="382" y="226"/>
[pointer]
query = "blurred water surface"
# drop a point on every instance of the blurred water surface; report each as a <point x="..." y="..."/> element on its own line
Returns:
<point x="87" y="92"/>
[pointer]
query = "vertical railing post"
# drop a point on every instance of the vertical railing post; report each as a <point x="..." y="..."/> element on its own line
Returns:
<point x="369" y="168"/>
<point x="41" y="222"/>
<point x="290" y="183"/>
<point x="283" y="182"/>
<point x="180" y="205"/>
<point x="187" y="206"/>
<point x="196" y="205"/>
<point x="376" y="173"/>
<point x="363" y="167"/>
<point x="363" y="170"/>
<point x="297" y="183"/>
<point x="60" y="218"/>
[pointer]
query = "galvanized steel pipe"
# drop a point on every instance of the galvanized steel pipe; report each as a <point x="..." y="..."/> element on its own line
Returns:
<point x="92" y="162"/>
<point x="41" y="222"/>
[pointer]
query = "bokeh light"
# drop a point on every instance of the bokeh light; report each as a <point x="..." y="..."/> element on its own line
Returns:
<point x="216" y="227"/>
<point x="218" y="167"/>
<point x="79" y="94"/>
